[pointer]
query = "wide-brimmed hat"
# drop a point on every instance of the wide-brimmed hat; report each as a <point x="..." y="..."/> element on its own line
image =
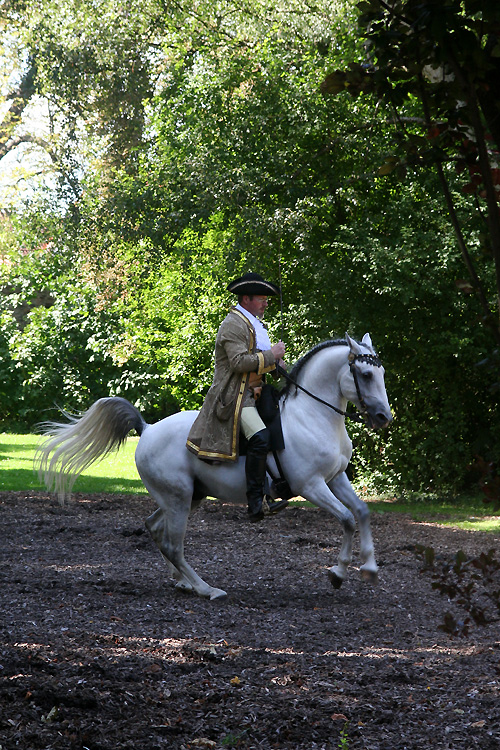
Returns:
<point x="252" y="283"/>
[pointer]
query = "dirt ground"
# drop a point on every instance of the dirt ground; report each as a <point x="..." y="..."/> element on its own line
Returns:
<point x="99" y="651"/>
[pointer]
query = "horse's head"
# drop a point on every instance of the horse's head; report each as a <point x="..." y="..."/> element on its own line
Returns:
<point x="363" y="383"/>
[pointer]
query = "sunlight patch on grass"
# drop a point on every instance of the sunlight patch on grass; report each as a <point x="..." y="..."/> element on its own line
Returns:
<point x="116" y="473"/>
<point x="488" y="523"/>
<point x="465" y="512"/>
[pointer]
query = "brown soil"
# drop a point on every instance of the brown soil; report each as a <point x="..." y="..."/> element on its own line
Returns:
<point x="99" y="651"/>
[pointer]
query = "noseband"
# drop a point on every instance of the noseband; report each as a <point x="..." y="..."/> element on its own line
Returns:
<point x="370" y="359"/>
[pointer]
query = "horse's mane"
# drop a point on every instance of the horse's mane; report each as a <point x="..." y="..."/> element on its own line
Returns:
<point x="302" y="362"/>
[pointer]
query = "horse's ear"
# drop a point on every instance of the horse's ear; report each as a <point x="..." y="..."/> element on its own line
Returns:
<point x="353" y="345"/>
<point x="366" y="340"/>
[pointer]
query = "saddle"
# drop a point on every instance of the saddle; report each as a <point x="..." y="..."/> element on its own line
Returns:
<point x="267" y="403"/>
<point x="268" y="408"/>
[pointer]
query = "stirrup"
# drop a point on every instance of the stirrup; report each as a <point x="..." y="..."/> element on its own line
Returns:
<point x="270" y="506"/>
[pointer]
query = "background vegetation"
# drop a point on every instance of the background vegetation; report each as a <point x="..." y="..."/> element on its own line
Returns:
<point x="117" y="474"/>
<point x="150" y="152"/>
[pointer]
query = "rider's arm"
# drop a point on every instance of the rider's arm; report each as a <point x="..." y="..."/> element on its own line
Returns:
<point x="235" y="343"/>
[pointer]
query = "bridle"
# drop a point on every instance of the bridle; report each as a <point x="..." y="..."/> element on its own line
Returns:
<point x="370" y="359"/>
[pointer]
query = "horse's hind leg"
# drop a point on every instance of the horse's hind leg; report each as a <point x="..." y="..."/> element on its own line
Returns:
<point x="155" y="525"/>
<point x="168" y="528"/>
<point x="342" y="488"/>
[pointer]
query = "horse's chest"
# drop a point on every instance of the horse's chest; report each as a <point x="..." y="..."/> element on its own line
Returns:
<point x="320" y="448"/>
<point x="337" y="467"/>
<point x="338" y="457"/>
<point x="329" y="454"/>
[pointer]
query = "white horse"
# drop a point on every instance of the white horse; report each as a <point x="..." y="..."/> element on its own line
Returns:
<point x="317" y="451"/>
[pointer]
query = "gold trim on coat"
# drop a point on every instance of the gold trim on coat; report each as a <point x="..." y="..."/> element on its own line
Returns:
<point x="239" y="402"/>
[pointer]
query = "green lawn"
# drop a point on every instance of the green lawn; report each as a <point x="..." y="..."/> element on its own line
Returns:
<point x="462" y="511"/>
<point x="117" y="474"/>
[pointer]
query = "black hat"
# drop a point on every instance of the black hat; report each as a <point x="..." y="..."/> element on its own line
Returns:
<point x="252" y="283"/>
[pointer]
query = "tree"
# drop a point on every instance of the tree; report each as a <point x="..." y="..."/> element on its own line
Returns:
<point x="437" y="64"/>
<point x="96" y="64"/>
<point x="235" y="161"/>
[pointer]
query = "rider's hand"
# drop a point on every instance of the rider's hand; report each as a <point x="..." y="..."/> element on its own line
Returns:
<point x="278" y="350"/>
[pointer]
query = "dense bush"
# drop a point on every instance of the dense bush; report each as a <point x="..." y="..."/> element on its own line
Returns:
<point x="238" y="163"/>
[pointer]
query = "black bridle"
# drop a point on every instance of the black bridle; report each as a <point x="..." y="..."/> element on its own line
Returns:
<point x="370" y="359"/>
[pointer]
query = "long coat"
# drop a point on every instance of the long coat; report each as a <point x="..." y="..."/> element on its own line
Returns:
<point x="215" y="432"/>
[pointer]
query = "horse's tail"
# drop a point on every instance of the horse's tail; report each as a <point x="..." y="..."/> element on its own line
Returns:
<point x="73" y="446"/>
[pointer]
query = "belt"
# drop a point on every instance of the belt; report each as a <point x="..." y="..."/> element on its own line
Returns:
<point x="255" y="383"/>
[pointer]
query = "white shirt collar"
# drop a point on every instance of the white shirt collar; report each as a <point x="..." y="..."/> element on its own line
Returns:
<point x="263" y="342"/>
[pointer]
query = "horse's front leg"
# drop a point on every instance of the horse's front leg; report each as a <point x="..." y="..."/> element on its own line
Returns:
<point x="318" y="493"/>
<point x="342" y="488"/>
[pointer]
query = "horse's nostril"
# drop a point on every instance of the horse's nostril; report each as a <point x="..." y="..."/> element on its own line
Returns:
<point x="383" y="419"/>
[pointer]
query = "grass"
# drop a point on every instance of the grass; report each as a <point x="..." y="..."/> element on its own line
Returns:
<point x="114" y="474"/>
<point x="117" y="474"/>
<point x="464" y="511"/>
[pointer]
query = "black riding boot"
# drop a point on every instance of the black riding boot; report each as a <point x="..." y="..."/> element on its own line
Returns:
<point x="255" y="470"/>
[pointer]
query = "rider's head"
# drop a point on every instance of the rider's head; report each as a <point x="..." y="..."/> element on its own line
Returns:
<point x="255" y="304"/>
<point x="253" y="291"/>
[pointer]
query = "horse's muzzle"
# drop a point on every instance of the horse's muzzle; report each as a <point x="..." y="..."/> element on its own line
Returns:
<point x="378" y="418"/>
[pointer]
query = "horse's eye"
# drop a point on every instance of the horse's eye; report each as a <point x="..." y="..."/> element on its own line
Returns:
<point x="368" y="375"/>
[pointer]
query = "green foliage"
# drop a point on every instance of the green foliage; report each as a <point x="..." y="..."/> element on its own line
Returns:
<point x="403" y="292"/>
<point x="489" y="481"/>
<point x="230" y="159"/>
<point x="470" y="583"/>
<point x="442" y="61"/>
<point x="68" y="350"/>
<point x="344" y="737"/>
<point x="171" y="322"/>
<point x="10" y="380"/>
<point x="51" y="352"/>
<point x="102" y="75"/>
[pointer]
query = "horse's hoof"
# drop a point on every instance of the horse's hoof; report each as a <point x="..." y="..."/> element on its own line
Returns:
<point x="217" y="594"/>
<point x="370" y="576"/>
<point x="335" y="580"/>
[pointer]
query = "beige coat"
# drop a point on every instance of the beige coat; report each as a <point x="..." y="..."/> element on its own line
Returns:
<point x="215" y="432"/>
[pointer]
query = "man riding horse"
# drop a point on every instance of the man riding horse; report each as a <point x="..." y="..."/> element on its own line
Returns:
<point x="243" y="355"/>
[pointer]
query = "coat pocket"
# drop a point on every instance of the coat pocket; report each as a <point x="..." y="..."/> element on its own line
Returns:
<point x="224" y="411"/>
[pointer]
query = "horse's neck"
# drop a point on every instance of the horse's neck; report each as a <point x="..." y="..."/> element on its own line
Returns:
<point x="321" y="377"/>
<point x="322" y="374"/>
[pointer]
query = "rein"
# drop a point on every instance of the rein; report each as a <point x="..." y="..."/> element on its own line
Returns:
<point x="370" y="359"/>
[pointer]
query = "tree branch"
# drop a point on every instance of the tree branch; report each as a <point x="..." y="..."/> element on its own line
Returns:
<point x="49" y="150"/>
<point x="476" y="282"/>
